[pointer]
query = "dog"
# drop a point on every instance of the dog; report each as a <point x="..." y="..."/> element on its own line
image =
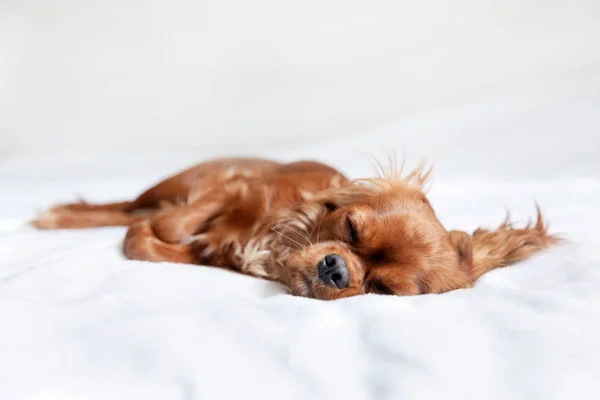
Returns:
<point x="307" y="226"/>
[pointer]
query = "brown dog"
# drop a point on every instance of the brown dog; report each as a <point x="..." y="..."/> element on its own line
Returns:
<point x="305" y="225"/>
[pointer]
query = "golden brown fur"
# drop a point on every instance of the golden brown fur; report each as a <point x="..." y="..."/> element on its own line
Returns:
<point x="279" y="221"/>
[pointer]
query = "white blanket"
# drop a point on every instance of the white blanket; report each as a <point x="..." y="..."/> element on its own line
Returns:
<point x="78" y="321"/>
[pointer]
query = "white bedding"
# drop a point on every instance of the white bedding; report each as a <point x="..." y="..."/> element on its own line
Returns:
<point x="80" y="322"/>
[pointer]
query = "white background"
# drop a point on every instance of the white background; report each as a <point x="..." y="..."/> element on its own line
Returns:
<point x="210" y="77"/>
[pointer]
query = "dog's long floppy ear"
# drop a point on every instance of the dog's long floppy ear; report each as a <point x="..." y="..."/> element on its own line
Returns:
<point x="486" y="250"/>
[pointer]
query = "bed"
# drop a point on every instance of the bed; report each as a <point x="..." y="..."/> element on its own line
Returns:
<point x="79" y="321"/>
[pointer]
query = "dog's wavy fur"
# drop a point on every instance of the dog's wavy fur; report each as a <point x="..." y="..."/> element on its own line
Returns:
<point x="277" y="221"/>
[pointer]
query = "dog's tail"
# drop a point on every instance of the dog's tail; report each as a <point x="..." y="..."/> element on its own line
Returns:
<point x="84" y="215"/>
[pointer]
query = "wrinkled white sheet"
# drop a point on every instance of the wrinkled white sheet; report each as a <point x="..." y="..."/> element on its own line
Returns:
<point x="77" y="321"/>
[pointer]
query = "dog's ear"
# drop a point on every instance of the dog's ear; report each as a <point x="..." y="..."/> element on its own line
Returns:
<point x="486" y="250"/>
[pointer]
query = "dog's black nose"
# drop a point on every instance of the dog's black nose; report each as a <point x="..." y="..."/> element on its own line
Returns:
<point x="333" y="271"/>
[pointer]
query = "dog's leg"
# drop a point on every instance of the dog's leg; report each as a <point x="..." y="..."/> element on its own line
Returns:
<point x="160" y="238"/>
<point x="179" y="223"/>
<point x="204" y="231"/>
<point x="142" y="244"/>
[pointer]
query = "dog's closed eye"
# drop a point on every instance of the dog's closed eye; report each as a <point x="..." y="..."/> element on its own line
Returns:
<point x="331" y="206"/>
<point x="352" y="233"/>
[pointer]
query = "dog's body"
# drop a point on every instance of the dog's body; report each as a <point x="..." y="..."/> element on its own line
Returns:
<point x="307" y="226"/>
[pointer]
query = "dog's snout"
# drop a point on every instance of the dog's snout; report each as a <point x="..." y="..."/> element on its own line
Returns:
<point x="333" y="271"/>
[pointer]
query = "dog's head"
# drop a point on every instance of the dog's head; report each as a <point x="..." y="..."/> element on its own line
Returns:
<point x="382" y="236"/>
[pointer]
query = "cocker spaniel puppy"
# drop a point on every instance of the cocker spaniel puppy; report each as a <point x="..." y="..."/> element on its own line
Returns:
<point x="305" y="225"/>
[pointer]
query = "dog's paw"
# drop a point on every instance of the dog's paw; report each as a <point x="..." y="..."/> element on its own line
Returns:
<point x="52" y="219"/>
